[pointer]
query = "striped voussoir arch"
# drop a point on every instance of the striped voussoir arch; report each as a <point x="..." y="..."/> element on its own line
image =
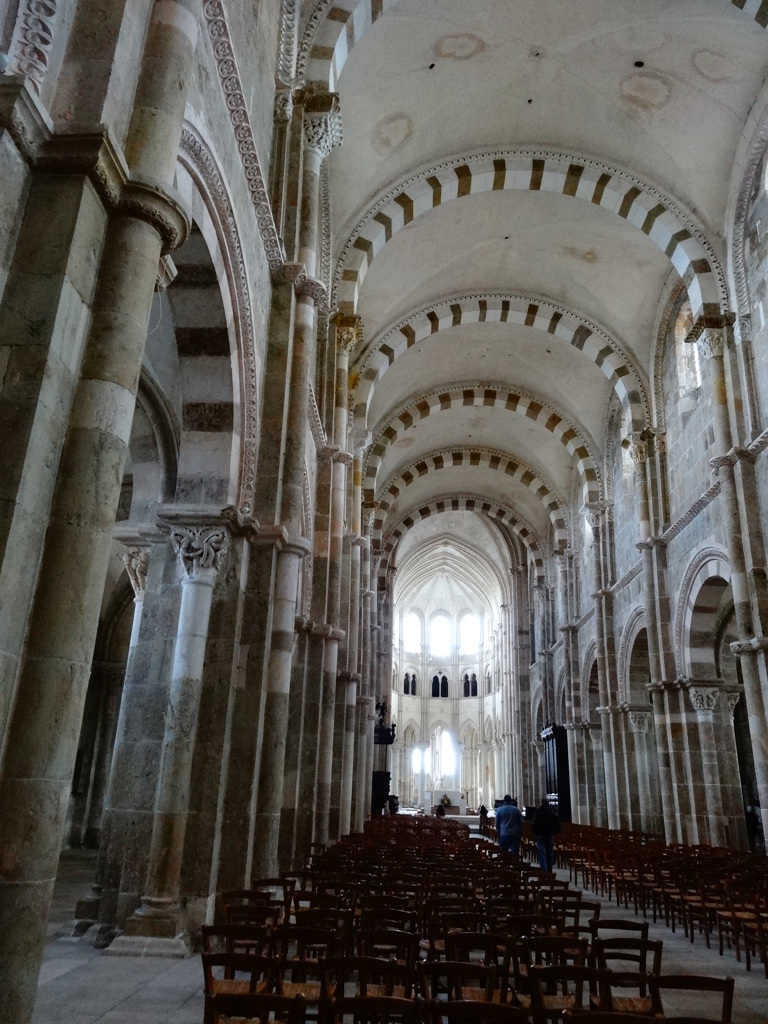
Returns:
<point x="387" y="543"/>
<point x="477" y="459"/>
<point x="488" y="396"/>
<point x="331" y="35"/>
<point x="704" y="581"/>
<point x="581" y="177"/>
<point x="548" y="319"/>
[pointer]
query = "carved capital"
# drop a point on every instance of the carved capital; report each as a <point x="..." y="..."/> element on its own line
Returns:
<point x="370" y="508"/>
<point x="733" y="697"/>
<point x="349" y="332"/>
<point x="639" y="721"/>
<point x="283" y="109"/>
<point x="321" y="123"/>
<point x="199" y="547"/>
<point x="703" y="698"/>
<point x="136" y="562"/>
<point x="712" y="342"/>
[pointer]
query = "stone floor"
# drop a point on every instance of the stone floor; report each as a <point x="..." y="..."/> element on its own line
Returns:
<point x="80" y="986"/>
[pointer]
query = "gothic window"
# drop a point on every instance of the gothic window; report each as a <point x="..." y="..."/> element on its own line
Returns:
<point x="440" y="636"/>
<point x="407" y="684"/>
<point x="413" y="685"/>
<point x="435" y="686"/>
<point x="473" y="684"/>
<point x="469" y="635"/>
<point x="466" y="685"/>
<point x="412" y="633"/>
<point x="444" y="687"/>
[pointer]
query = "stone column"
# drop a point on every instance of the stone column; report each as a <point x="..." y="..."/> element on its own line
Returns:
<point x="639" y="724"/>
<point x="750" y="647"/>
<point x="42" y="736"/>
<point x="321" y="130"/>
<point x="199" y="549"/>
<point x="710" y="806"/>
<point x="594" y="514"/>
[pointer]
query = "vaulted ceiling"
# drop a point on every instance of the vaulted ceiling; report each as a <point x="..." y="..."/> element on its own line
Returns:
<point x="521" y="185"/>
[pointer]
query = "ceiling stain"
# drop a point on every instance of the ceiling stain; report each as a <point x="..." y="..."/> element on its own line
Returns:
<point x="462" y="46"/>
<point x="714" y="66"/>
<point x="391" y="132"/>
<point x="646" y="90"/>
<point x="585" y="255"/>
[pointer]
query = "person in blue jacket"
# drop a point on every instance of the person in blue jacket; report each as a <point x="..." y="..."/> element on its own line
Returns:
<point x="509" y="825"/>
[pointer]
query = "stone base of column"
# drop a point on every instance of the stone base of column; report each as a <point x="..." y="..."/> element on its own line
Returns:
<point x="156" y="929"/>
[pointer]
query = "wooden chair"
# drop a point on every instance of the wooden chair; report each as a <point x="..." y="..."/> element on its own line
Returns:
<point x="664" y="988"/>
<point x="617" y="955"/>
<point x="366" y="976"/>
<point x="466" y="1011"/>
<point x="236" y="938"/>
<point x="293" y="942"/>
<point x="257" y="1009"/>
<point x="390" y="943"/>
<point x="564" y="987"/>
<point x="376" y="1010"/>
<point x="441" y="980"/>
<point x="235" y="974"/>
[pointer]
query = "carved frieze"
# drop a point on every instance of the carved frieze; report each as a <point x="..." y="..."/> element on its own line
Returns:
<point x="33" y="37"/>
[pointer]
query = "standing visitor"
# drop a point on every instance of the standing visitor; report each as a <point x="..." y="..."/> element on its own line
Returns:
<point x="546" y="825"/>
<point x="509" y="825"/>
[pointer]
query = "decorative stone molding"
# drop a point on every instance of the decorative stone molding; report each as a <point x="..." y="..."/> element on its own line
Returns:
<point x="305" y="45"/>
<point x="315" y="423"/>
<point x="289" y="25"/>
<point x="731" y="457"/>
<point x="751" y="646"/>
<point x="635" y="622"/>
<point x="32" y="40"/>
<point x="639" y="721"/>
<point x="231" y="84"/>
<point x="196" y="156"/>
<point x="687" y="518"/>
<point x="199" y="547"/>
<point x="136" y="562"/>
<point x="703" y="698"/>
<point x="627" y="578"/>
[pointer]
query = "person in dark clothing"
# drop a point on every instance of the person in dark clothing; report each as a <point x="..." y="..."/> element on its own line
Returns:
<point x="509" y="825"/>
<point x="546" y="825"/>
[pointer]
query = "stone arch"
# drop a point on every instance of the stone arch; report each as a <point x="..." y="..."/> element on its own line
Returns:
<point x="634" y="626"/>
<point x="547" y="318"/>
<point x="461" y="503"/>
<point x="707" y="575"/>
<point x="590" y="696"/>
<point x="646" y="206"/>
<point x="459" y="396"/>
<point x="476" y="458"/>
<point x="328" y="39"/>
<point x="206" y="194"/>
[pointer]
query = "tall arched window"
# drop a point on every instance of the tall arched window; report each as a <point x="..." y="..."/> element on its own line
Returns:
<point x="469" y="634"/>
<point x="444" y="687"/>
<point x="435" y="686"/>
<point x="440" y="636"/>
<point x="412" y="633"/>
